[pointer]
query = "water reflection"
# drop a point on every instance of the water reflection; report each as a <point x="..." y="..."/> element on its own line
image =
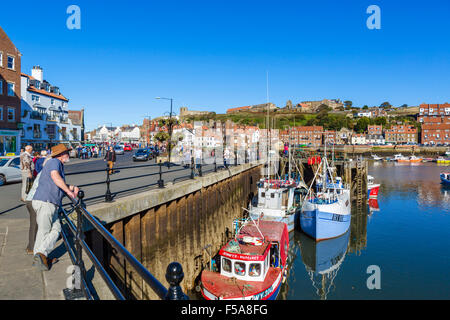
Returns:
<point x="323" y="260"/>
<point x="373" y="206"/>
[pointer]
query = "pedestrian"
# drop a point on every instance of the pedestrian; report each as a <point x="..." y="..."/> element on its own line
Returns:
<point x="46" y="201"/>
<point x="26" y="168"/>
<point x="110" y="157"/>
<point x="29" y="205"/>
<point x="35" y="158"/>
<point x="40" y="162"/>
<point x="226" y="157"/>
<point x="198" y="157"/>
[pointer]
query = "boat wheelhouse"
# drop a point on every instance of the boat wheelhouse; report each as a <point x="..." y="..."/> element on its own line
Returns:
<point x="251" y="266"/>
<point x="278" y="200"/>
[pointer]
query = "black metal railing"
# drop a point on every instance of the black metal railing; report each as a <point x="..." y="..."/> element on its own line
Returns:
<point x="194" y="169"/>
<point x="174" y="272"/>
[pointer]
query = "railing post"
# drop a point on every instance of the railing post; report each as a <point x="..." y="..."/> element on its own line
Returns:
<point x="215" y="160"/>
<point x="192" y="167"/>
<point x="174" y="276"/>
<point x="80" y="272"/>
<point x="160" y="181"/>
<point x="108" y="195"/>
<point x="200" y="173"/>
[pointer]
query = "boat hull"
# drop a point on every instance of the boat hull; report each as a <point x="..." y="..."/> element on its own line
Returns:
<point x="288" y="219"/>
<point x="445" y="181"/>
<point x="269" y="293"/>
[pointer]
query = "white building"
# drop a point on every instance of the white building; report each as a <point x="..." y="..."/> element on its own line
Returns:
<point x="359" y="138"/>
<point x="45" y="114"/>
<point x="367" y="114"/>
<point x="129" y="134"/>
<point x="375" y="139"/>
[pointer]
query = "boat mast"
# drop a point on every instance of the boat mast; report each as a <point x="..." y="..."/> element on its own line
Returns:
<point x="268" y="126"/>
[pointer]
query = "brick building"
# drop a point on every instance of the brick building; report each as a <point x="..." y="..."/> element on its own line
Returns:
<point x="436" y="133"/>
<point x="374" y="129"/>
<point x="303" y="135"/>
<point x="10" y="111"/>
<point x="400" y="134"/>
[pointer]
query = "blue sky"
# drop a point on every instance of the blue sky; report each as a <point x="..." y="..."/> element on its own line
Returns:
<point x="214" y="55"/>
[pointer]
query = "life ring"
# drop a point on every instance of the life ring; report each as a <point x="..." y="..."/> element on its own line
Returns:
<point x="252" y="240"/>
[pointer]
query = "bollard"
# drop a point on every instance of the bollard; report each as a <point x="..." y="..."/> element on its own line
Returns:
<point x="108" y="195"/>
<point x="174" y="276"/>
<point x="160" y="181"/>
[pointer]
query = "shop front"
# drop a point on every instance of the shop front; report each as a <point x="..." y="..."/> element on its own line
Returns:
<point x="9" y="142"/>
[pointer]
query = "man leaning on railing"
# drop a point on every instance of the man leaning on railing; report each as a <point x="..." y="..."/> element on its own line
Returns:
<point x="46" y="201"/>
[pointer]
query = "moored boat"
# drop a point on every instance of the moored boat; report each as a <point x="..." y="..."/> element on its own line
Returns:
<point x="442" y="160"/>
<point x="251" y="266"/>
<point x="278" y="200"/>
<point x="445" y="178"/>
<point x="327" y="213"/>
<point x="376" y="157"/>
<point x="372" y="187"/>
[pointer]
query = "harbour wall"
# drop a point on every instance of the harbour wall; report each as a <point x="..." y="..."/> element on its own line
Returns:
<point x="183" y="222"/>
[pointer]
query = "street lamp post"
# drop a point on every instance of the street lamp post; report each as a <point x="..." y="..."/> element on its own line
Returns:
<point x="170" y="127"/>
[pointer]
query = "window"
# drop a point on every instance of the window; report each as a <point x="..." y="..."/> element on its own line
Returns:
<point x="1" y="59"/>
<point x="52" y="101"/>
<point x="11" y="114"/>
<point x="254" y="270"/>
<point x="11" y="89"/>
<point x="1" y="113"/>
<point x="239" y="268"/>
<point x="15" y="162"/>
<point x="226" y="265"/>
<point x="1" y="87"/>
<point x="35" y="98"/>
<point x="11" y="62"/>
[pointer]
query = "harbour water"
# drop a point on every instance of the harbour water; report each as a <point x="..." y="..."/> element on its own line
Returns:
<point x="407" y="237"/>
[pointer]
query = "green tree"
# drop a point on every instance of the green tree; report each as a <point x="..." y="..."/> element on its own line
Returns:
<point x="365" y="107"/>
<point x="361" y="124"/>
<point x="348" y="104"/>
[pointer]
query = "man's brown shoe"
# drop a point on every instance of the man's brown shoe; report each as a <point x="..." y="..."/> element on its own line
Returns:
<point x="40" y="261"/>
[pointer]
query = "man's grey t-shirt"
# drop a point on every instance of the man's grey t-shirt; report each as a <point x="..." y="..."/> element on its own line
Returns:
<point x="47" y="190"/>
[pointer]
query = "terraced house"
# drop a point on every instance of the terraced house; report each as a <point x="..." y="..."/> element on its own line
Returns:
<point x="401" y="134"/>
<point x="10" y="125"/>
<point x="45" y="114"/>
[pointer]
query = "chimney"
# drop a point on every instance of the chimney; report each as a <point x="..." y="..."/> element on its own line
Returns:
<point x="37" y="73"/>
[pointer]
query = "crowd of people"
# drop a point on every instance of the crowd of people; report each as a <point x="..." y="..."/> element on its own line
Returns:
<point x="87" y="152"/>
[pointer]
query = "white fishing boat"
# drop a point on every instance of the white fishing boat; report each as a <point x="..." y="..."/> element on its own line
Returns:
<point x="326" y="213"/>
<point x="376" y="157"/>
<point x="278" y="200"/>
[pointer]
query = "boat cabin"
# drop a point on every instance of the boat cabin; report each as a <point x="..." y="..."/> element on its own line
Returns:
<point x="445" y="175"/>
<point x="249" y="257"/>
<point x="278" y="194"/>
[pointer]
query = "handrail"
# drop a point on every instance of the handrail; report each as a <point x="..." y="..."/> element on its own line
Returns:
<point x="174" y="273"/>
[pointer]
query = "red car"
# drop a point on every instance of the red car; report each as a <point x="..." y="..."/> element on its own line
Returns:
<point x="127" y="148"/>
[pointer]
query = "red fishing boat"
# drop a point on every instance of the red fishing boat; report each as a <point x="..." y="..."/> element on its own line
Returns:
<point x="251" y="266"/>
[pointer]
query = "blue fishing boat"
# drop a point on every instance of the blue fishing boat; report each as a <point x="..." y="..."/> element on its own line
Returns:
<point x="445" y="178"/>
<point x="326" y="213"/>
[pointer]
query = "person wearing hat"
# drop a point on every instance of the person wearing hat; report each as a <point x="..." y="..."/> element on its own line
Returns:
<point x="46" y="201"/>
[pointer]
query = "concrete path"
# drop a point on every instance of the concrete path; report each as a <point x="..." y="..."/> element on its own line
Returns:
<point x="18" y="278"/>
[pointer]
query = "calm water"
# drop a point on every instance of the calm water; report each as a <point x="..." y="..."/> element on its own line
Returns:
<point x="406" y="233"/>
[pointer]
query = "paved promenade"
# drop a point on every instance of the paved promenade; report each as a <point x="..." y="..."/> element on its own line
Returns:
<point x="18" y="278"/>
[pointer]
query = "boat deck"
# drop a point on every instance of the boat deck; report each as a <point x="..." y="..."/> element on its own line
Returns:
<point x="232" y="288"/>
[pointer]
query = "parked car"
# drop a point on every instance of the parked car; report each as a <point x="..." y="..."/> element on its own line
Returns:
<point x="10" y="170"/>
<point x="119" y="150"/>
<point x="127" y="148"/>
<point x="142" y="155"/>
